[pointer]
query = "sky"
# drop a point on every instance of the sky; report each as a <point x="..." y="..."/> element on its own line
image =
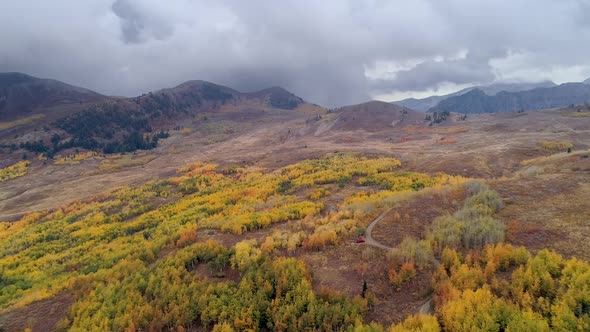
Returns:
<point x="330" y="52"/>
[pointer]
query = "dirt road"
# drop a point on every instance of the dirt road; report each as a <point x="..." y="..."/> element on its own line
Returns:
<point x="428" y="306"/>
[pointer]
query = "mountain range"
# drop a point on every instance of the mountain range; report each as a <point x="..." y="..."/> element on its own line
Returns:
<point x="477" y="101"/>
<point x="503" y="97"/>
<point x="74" y="117"/>
<point x="78" y="118"/>
<point x="22" y="95"/>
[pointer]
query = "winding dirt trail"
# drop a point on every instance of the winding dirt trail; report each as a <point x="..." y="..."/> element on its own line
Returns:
<point x="428" y="306"/>
<point x="369" y="238"/>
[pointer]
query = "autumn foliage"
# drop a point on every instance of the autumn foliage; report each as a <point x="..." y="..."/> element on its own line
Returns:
<point x="15" y="170"/>
<point x="141" y="258"/>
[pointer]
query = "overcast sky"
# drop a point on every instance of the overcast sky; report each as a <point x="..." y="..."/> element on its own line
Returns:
<point x="331" y="52"/>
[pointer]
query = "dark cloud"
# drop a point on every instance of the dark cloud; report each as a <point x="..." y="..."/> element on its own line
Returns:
<point x="320" y="50"/>
<point x="137" y="25"/>
<point x="131" y="22"/>
<point x="430" y="74"/>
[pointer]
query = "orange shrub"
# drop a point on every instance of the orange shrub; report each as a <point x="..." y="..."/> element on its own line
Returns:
<point x="393" y="277"/>
<point x="406" y="273"/>
<point x="321" y="239"/>
<point x="187" y="238"/>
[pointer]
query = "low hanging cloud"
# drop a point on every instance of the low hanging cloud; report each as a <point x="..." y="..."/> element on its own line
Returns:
<point x="320" y="50"/>
<point x="430" y="74"/>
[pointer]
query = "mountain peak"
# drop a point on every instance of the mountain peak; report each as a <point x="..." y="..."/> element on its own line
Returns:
<point x="281" y="98"/>
<point x="475" y="91"/>
<point x="275" y="96"/>
<point x="374" y="106"/>
<point x="278" y="97"/>
<point x="21" y="94"/>
<point x="11" y="78"/>
<point x="203" y="85"/>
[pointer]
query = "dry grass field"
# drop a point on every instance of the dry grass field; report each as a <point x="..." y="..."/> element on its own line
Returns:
<point x="545" y="189"/>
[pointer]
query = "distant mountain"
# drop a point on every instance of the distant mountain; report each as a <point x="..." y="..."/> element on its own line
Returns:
<point x="120" y="124"/>
<point x="277" y="97"/>
<point x="425" y="104"/>
<point x="202" y="93"/>
<point x="496" y="88"/>
<point x="476" y="101"/>
<point x="21" y="94"/>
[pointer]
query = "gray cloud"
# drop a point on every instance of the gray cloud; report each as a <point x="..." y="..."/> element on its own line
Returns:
<point x="137" y="25"/>
<point x="131" y="22"/>
<point x="317" y="49"/>
<point x="430" y="74"/>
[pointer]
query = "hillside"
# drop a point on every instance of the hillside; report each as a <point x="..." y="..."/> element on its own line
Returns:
<point x="129" y="124"/>
<point x="22" y="95"/>
<point x="425" y="104"/>
<point x="476" y="101"/>
<point x="375" y="116"/>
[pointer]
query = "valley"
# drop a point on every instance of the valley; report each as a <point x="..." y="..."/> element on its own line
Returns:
<point x="254" y="213"/>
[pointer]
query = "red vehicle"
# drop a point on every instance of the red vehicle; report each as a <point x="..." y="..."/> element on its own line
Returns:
<point x="360" y="239"/>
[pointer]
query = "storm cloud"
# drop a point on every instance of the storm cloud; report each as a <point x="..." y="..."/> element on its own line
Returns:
<point x="329" y="52"/>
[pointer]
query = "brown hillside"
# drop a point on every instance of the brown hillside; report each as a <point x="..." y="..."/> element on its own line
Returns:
<point x="22" y="95"/>
<point x="375" y="116"/>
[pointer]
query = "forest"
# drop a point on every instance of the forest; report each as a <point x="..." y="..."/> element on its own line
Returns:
<point x="95" y="128"/>
<point x="141" y="258"/>
<point x="110" y="127"/>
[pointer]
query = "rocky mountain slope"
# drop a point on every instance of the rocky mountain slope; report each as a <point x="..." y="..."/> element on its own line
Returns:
<point x="477" y="101"/>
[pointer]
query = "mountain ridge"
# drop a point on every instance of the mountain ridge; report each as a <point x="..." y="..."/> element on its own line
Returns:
<point x="21" y="94"/>
<point x="424" y="104"/>
<point x="476" y="101"/>
<point x="114" y="124"/>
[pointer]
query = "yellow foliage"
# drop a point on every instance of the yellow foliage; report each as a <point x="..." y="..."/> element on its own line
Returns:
<point x="417" y="323"/>
<point x="197" y="168"/>
<point x="246" y="254"/>
<point x="579" y="114"/>
<point x="477" y="308"/>
<point x="102" y="243"/>
<point x="110" y="165"/>
<point x="555" y="145"/>
<point x="186" y="131"/>
<point x="74" y="159"/>
<point x="318" y="193"/>
<point x="15" y="170"/>
<point x="21" y="122"/>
